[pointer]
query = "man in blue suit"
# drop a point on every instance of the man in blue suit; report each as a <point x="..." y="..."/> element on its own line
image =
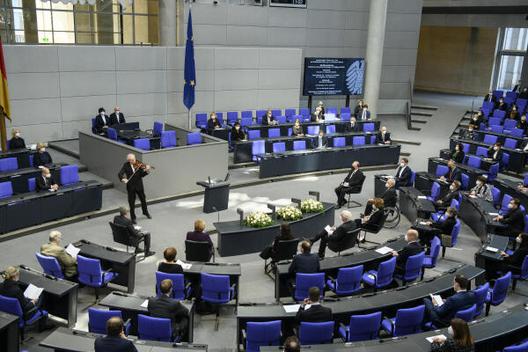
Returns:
<point x="115" y="339"/>
<point x="441" y="314"/>
<point x="305" y="262"/>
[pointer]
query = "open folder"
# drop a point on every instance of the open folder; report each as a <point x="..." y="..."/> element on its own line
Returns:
<point x="33" y="292"/>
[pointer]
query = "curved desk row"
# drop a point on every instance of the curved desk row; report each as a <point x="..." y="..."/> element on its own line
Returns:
<point x="475" y="212"/>
<point x="491" y="334"/>
<point x="22" y="156"/>
<point x="507" y="186"/>
<point x="9" y="333"/>
<point x="340" y="126"/>
<point x="472" y="172"/>
<point x="19" y="177"/>
<point x="414" y="204"/>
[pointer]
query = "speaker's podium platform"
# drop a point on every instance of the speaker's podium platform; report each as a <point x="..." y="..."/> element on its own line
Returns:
<point x="216" y="196"/>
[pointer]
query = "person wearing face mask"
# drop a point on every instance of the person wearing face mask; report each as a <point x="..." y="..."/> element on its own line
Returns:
<point x="383" y="137"/>
<point x="523" y="94"/>
<point x="352" y="183"/>
<point x="389" y="197"/>
<point x="469" y="133"/>
<point x="320" y="141"/>
<point x="359" y="107"/>
<point x="117" y="116"/>
<point x="454" y="193"/>
<point x="476" y="120"/>
<point x="453" y="174"/>
<point x="352" y="125"/>
<point x="513" y="219"/>
<point x="318" y="115"/>
<point x="403" y="174"/>
<point x="102" y="121"/>
<point x="297" y="129"/>
<point x="501" y="105"/>
<point x="458" y="154"/>
<point x="481" y="190"/>
<point x="442" y="226"/>
<point x="514" y="113"/>
<point x="459" y="338"/>
<point x="413" y="247"/>
<point x="42" y="157"/>
<point x="16" y="142"/>
<point x="320" y="105"/>
<point x="373" y="219"/>
<point x="523" y="124"/>
<point x="46" y="182"/>
<point x="213" y="123"/>
<point x="441" y="314"/>
<point x="513" y="262"/>
<point x="364" y="114"/>
<point x="237" y="134"/>
<point x="489" y="97"/>
<point x="495" y="153"/>
<point x="269" y="119"/>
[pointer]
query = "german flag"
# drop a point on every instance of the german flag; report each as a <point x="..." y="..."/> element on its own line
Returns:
<point x="4" y="92"/>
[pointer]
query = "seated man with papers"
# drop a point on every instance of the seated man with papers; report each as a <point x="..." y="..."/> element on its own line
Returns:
<point x="311" y="309"/>
<point x="115" y="339"/>
<point x="440" y="312"/>
<point x="514" y="219"/>
<point x="454" y="193"/>
<point x="67" y="257"/>
<point x="333" y="234"/>
<point x="46" y="182"/>
<point x="134" y="231"/>
<point x="444" y="226"/>
<point x="413" y="247"/>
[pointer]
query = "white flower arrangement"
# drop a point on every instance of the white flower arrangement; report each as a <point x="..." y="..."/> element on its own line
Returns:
<point x="311" y="206"/>
<point x="258" y="219"/>
<point x="289" y="213"/>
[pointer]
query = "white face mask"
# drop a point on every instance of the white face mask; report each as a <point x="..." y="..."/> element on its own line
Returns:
<point x="43" y="150"/>
<point x="402" y="164"/>
<point x="479" y="183"/>
<point x="452" y="188"/>
<point x="102" y="113"/>
<point x="17" y="134"/>
<point x="374" y="208"/>
<point x="450" y="331"/>
<point x="518" y="240"/>
<point x="510" y="206"/>
<point x="495" y="148"/>
<point x="406" y="238"/>
<point x="47" y="175"/>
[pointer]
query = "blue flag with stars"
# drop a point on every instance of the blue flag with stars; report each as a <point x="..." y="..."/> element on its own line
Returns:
<point x="190" y="70"/>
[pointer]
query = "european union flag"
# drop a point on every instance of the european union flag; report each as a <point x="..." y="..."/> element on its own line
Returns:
<point x="189" y="71"/>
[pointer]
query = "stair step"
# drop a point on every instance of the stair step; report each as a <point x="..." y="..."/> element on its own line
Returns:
<point x="421" y="114"/>
<point x="405" y="154"/>
<point x="424" y="107"/>
<point x="418" y="121"/>
<point x="414" y="129"/>
<point x="66" y="151"/>
<point x="406" y="141"/>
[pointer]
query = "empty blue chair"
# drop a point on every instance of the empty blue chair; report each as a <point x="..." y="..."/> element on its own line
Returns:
<point x="348" y="281"/>
<point x="281" y="119"/>
<point x="50" y="265"/>
<point x="259" y="114"/>
<point x="369" y="127"/>
<point x="180" y="290"/>
<point x="216" y="289"/>
<point x="454" y="237"/>
<point x="407" y="321"/>
<point x="289" y="112"/>
<point x="168" y="139"/>
<point x="481" y="293"/>
<point x="441" y="170"/>
<point x="232" y="117"/>
<point x="154" y="329"/>
<point x="510" y="97"/>
<point x="94" y="130"/>
<point x="505" y="160"/>
<point x="201" y="120"/>
<point x="521" y="105"/>
<point x="522" y="347"/>
<point x="12" y="306"/>
<point x="32" y="184"/>
<point x="8" y="164"/>
<point x="279" y="147"/>
<point x="267" y="333"/>
<point x="358" y="140"/>
<point x="517" y="132"/>
<point x="467" y="314"/>
<point x="496" y="129"/>
<point x="331" y="110"/>
<point x="220" y="118"/>
<point x="413" y="268"/>
<point x="510" y="143"/>
<point x="330" y="129"/>
<point x="303" y="282"/>
<point x="499" y="113"/>
<point x="361" y="327"/>
<point x="194" y="138"/>
<point x="313" y="130"/>
<point x="524" y="270"/>
<point x="69" y="175"/>
<point x="510" y="124"/>
<point x="316" y="333"/>
<point x="435" y="192"/>
<point x="345" y="110"/>
<point x="482" y="151"/>
<point x="111" y="133"/>
<point x="253" y="134"/>
<point x="157" y="128"/>
<point x="474" y="161"/>
<point x="430" y="259"/>
<point x="494" y="121"/>
<point x="6" y="189"/>
<point x="258" y="148"/>
<point x="142" y="143"/>
<point x="92" y="275"/>
<point x="498" y="293"/>
<point x="246" y="121"/>
<point x="246" y="114"/>
<point x="299" y="145"/>
<point x="383" y="276"/>
<point x="345" y="116"/>
<point x="497" y="94"/>
<point x="412" y="179"/>
<point x="465" y="182"/>
<point x="493" y="172"/>
<point x="339" y="142"/>
<point x="97" y="319"/>
<point x="490" y="139"/>
<point x="274" y="132"/>
<point x="504" y="204"/>
<point x="276" y="112"/>
<point x="304" y="112"/>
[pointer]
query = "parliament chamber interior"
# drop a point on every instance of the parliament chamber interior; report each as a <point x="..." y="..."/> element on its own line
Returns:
<point x="263" y="175"/>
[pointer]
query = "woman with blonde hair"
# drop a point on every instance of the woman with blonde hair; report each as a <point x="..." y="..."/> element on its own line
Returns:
<point x="16" y="142"/>
<point x="11" y="288"/>
<point x="42" y="157"/>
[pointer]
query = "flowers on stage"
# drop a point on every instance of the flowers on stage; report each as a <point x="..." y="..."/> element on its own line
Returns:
<point x="289" y="213"/>
<point x="311" y="206"/>
<point x="258" y="219"/>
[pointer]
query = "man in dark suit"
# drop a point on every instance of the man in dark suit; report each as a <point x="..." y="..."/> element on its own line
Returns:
<point x="495" y="153"/>
<point x="320" y="141"/>
<point x="441" y="315"/>
<point x="135" y="232"/>
<point x="305" y="262"/>
<point x="413" y="247"/>
<point x="199" y="235"/>
<point x="389" y="196"/>
<point x="453" y="173"/>
<point x="315" y="313"/>
<point x="167" y="307"/>
<point x="102" y="121"/>
<point x="489" y="97"/>
<point x="352" y="184"/>
<point x="117" y="116"/>
<point x="454" y="193"/>
<point x="268" y="119"/>
<point x="115" y="339"/>
<point x="132" y="175"/>
<point x="364" y="113"/>
<point x="383" y="137"/>
<point x="514" y="219"/>
<point x="352" y="125"/>
<point x="441" y="227"/>
<point x="336" y="235"/>
<point x="292" y="344"/>
<point x="46" y="182"/>
<point x="403" y="174"/>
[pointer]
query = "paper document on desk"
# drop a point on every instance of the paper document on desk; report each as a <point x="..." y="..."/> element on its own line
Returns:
<point x="72" y="250"/>
<point x="493" y="214"/>
<point x="421" y="197"/>
<point x="424" y="223"/>
<point x="185" y="266"/>
<point x="329" y="229"/>
<point x="291" y="308"/>
<point x="492" y="249"/>
<point x="145" y="304"/>
<point x="384" y="250"/>
<point x="437" y="300"/>
<point x="431" y="338"/>
<point x="33" y="292"/>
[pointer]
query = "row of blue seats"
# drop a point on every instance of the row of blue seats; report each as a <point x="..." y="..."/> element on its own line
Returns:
<point x="312" y="130"/>
<point x="167" y="139"/>
<point x="489" y="106"/>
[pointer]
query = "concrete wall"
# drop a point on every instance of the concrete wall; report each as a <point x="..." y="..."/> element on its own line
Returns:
<point x="456" y="59"/>
<point x="55" y="90"/>
<point x="327" y="28"/>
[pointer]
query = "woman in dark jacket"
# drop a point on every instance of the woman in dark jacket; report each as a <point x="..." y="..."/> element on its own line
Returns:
<point x="458" y="154"/>
<point x="169" y="265"/>
<point x="42" y="157"/>
<point x="237" y="134"/>
<point x="16" y="142"/>
<point x="459" y="339"/>
<point x="11" y="288"/>
<point x="514" y="261"/>
<point x="285" y="235"/>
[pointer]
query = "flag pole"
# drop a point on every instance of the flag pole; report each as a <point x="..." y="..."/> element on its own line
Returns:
<point x="3" y="133"/>
<point x="189" y="122"/>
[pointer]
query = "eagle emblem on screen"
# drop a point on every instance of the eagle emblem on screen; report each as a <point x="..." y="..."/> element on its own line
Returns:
<point x="354" y="77"/>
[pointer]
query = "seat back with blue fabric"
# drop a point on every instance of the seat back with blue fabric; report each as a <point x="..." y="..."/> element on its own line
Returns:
<point x="510" y="143"/>
<point x="90" y="272"/>
<point x="496" y="129"/>
<point x="274" y="132"/>
<point x="409" y="321"/>
<point x="435" y="191"/>
<point x="345" y="110"/>
<point x="412" y="179"/>
<point x="154" y="329"/>
<point x="312" y="130"/>
<point x="32" y="184"/>
<point x="267" y="333"/>
<point x="94" y="130"/>
<point x="281" y="119"/>
<point x="467" y="314"/>
<point x="201" y="120"/>
<point x="157" y="128"/>
<point x="385" y="272"/>
<point x="299" y="145"/>
<point x="524" y="268"/>
<point x="504" y="204"/>
<point x="12" y="306"/>
<point x="246" y="121"/>
<point x="111" y="133"/>
<point x="455" y="232"/>
<point x="339" y="142"/>
<point x="364" y="327"/>
<point x="331" y="110"/>
<point x="276" y="112"/>
<point x="509" y="124"/>
<point x="500" y="289"/>
<point x="490" y="139"/>
<point x="505" y="160"/>
<point x="413" y="267"/>
<point x="480" y="297"/>
<point x="493" y="171"/>
<point x="522" y="347"/>
<point x="369" y="127"/>
<point x="521" y="105"/>
<point x="330" y="129"/>
<point x="345" y="116"/>
<point x="455" y="204"/>
<point x="8" y="164"/>
<point x="253" y="134"/>
<point x="517" y="132"/>
<point x="220" y="118"/>
<point x="69" y="174"/>
<point x="510" y="97"/>
<point x="348" y="280"/>
<point x="142" y="143"/>
<point x="304" y="112"/>
<point x="259" y="114"/>
<point x="289" y="112"/>
<point x="525" y="180"/>
<point x="465" y="182"/>
<point x="178" y="284"/>
<point x="441" y="170"/>
<point x="494" y="121"/>
<point x="499" y="113"/>
<point x="279" y="147"/>
<point x="168" y="139"/>
<point x="246" y="114"/>
<point x="216" y="288"/>
<point x="232" y="117"/>
<point x="496" y="195"/>
<point x="6" y="189"/>
<point x="194" y="138"/>
<point x="50" y="265"/>
<point x="358" y="140"/>
<point x="431" y="258"/>
<point x="474" y="161"/>
<point x="316" y="333"/>
<point x="482" y="151"/>
<point x="257" y="148"/>
<point x="97" y="319"/>
<point x="303" y="282"/>
<point x="497" y="94"/>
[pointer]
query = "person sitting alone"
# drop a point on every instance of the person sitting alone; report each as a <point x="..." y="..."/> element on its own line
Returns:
<point x="413" y="247"/>
<point x="198" y="235"/>
<point x="54" y="249"/>
<point x="352" y="183"/>
<point x="115" y="339"/>
<point x="305" y="262"/>
<point x="134" y="231"/>
<point x="284" y="235"/>
<point x="311" y="310"/>
<point x="169" y="265"/>
<point x="46" y="182"/>
<point x="334" y="236"/>
<point x="16" y="141"/>
<point x="444" y="226"/>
